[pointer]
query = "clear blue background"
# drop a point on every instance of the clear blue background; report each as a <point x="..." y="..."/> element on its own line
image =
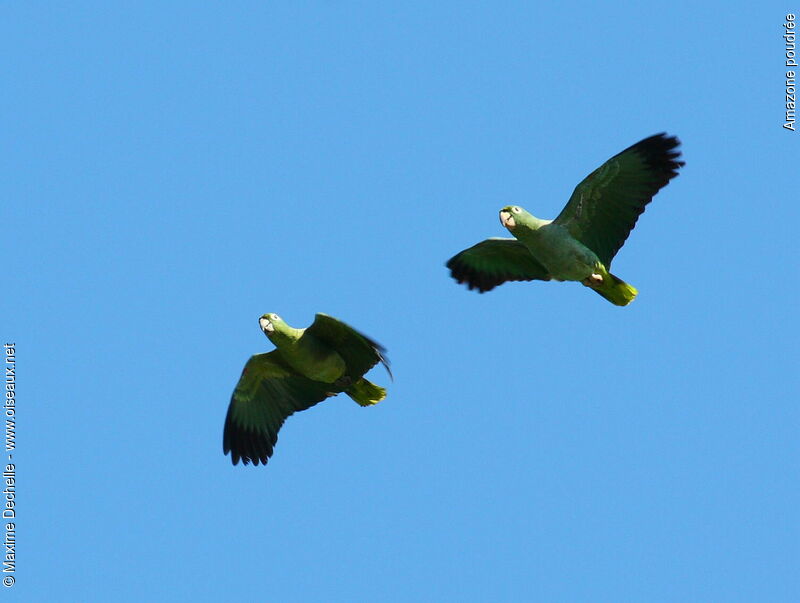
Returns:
<point x="171" y="171"/>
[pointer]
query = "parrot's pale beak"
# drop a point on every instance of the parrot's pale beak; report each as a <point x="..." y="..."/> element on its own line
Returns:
<point x="265" y="325"/>
<point x="507" y="220"/>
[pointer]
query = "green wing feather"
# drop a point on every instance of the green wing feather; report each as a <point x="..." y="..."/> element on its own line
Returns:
<point x="268" y="392"/>
<point x="604" y="207"/>
<point x="493" y="262"/>
<point x="359" y="352"/>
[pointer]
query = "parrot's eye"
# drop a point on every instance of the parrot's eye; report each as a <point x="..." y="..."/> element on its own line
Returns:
<point x="274" y="317"/>
<point x="515" y="210"/>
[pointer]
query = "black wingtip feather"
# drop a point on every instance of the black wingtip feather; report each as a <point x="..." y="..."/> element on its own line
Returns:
<point x="380" y="352"/>
<point x="661" y="154"/>
<point x="474" y="279"/>
<point x="245" y="445"/>
<point x="464" y="276"/>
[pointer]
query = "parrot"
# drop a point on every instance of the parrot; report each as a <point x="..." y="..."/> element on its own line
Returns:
<point x="583" y="239"/>
<point x="308" y="366"/>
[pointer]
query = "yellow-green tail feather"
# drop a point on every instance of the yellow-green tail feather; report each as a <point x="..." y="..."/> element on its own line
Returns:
<point x="615" y="290"/>
<point x="365" y="392"/>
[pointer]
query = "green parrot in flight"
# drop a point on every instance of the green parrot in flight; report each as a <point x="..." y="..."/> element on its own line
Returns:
<point x="308" y="366"/>
<point x="581" y="242"/>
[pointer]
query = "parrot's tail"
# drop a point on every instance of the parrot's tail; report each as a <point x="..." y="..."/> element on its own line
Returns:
<point x="365" y="392"/>
<point x="615" y="290"/>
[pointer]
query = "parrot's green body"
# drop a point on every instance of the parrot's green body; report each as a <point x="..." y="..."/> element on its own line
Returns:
<point x="306" y="354"/>
<point x="581" y="242"/>
<point x="307" y="366"/>
<point x="564" y="257"/>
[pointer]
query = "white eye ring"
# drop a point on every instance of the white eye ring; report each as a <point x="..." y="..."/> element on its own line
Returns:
<point x="516" y="210"/>
<point x="274" y="317"/>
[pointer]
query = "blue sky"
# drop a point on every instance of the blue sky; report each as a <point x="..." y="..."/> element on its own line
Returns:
<point x="174" y="170"/>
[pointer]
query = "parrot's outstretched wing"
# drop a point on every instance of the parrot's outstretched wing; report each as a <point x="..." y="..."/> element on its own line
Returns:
<point x="267" y="393"/>
<point x="493" y="262"/>
<point x="359" y="352"/>
<point x="604" y="207"/>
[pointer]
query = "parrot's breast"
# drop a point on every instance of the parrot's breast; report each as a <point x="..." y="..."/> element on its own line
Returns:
<point x="315" y="360"/>
<point x="565" y="258"/>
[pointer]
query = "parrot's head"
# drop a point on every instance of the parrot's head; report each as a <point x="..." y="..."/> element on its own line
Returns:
<point x="512" y="216"/>
<point x="272" y="325"/>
